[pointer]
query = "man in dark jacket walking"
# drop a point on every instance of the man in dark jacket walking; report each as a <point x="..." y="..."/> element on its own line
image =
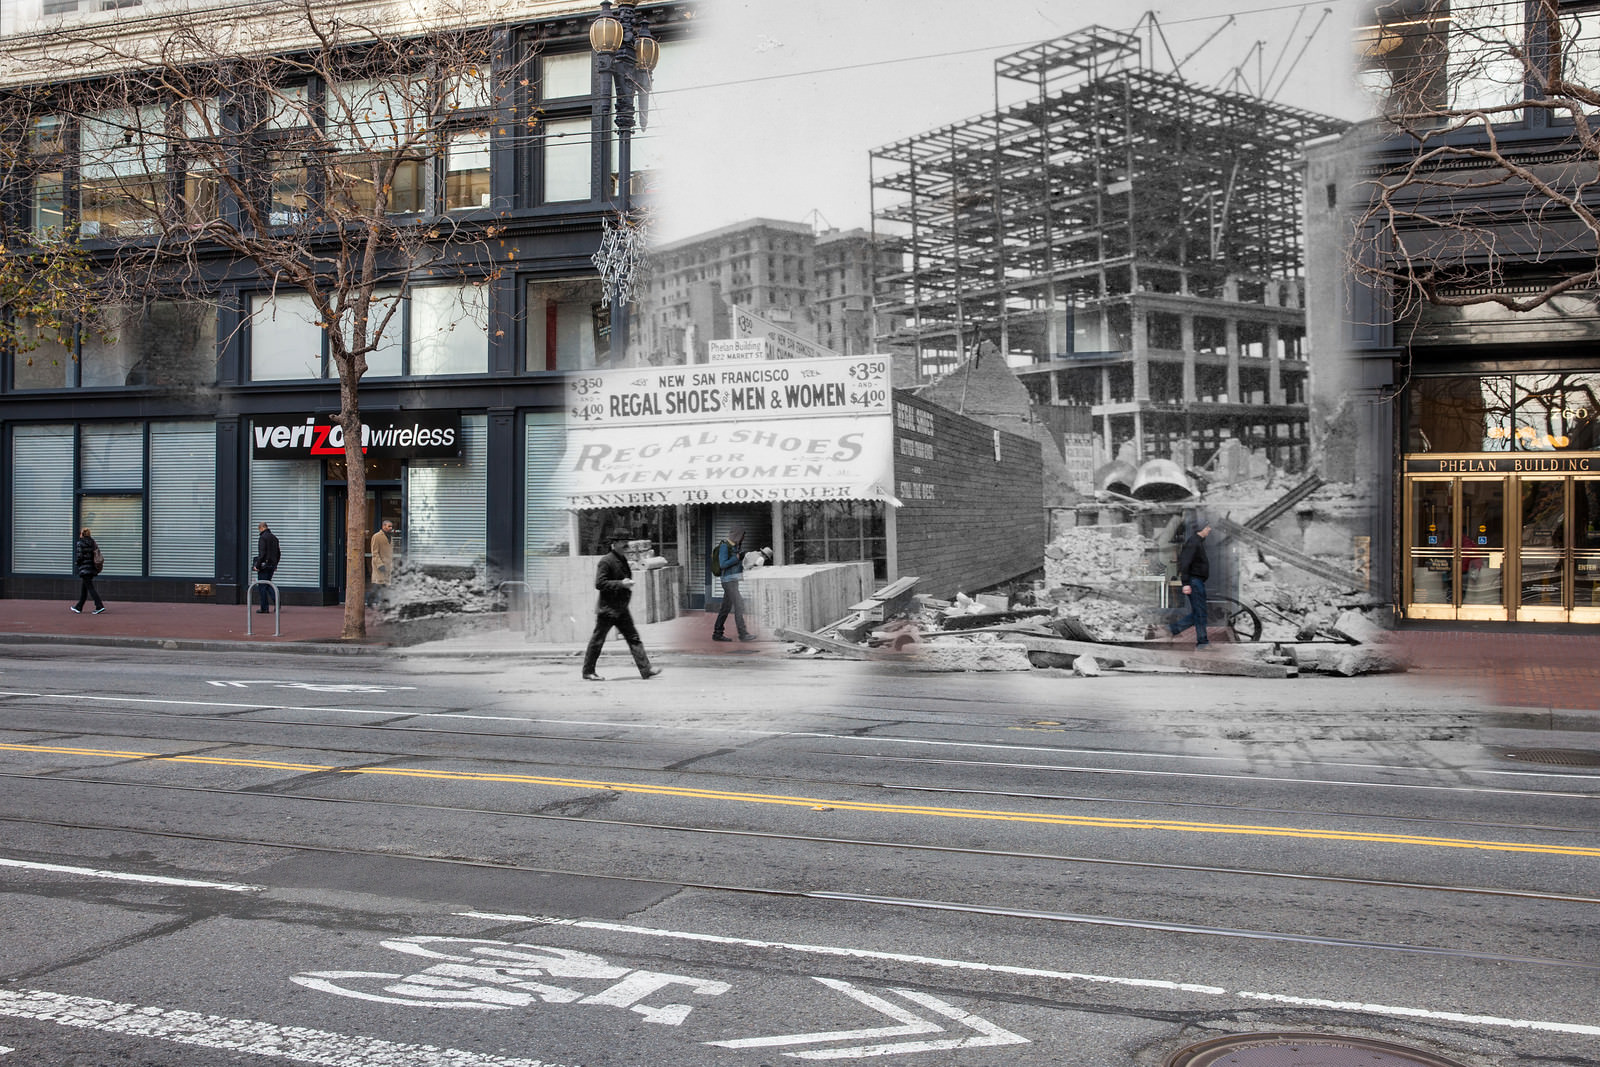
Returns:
<point x="730" y="570"/>
<point x="86" y="561"/>
<point x="266" y="563"/>
<point x="1193" y="571"/>
<point x="614" y="578"/>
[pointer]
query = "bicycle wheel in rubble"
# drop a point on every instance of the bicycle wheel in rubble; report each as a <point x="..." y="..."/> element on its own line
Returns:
<point x="1240" y="618"/>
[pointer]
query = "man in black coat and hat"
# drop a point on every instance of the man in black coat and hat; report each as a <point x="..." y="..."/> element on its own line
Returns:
<point x="1194" y="570"/>
<point x="614" y="579"/>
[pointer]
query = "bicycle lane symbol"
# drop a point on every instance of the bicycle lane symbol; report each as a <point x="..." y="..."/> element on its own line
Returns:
<point x="481" y="975"/>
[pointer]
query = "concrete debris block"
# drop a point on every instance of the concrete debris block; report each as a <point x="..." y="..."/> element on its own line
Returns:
<point x="1364" y="659"/>
<point x="1047" y="660"/>
<point x="1356" y="628"/>
<point x="1086" y="667"/>
<point x="970" y="656"/>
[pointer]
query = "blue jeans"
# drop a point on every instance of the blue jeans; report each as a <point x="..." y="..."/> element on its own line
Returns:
<point x="264" y="591"/>
<point x="1197" y="614"/>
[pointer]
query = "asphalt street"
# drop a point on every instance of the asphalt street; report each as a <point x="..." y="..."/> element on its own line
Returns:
<point x="387" y="860"/>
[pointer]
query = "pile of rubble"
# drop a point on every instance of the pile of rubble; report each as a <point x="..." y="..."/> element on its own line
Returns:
<point x="1100" y="604"/>
<point x="433" y="592"/>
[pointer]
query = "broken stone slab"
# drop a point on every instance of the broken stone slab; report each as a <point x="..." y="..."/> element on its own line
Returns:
<point x="969" y="656"/>
<point x="1213" y="661"/>
<point x="1086" y="667"/>
<point x="1346" y="660"/>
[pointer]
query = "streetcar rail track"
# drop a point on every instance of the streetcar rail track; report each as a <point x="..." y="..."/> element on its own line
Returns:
<point x="885" y="901"/>
<point x="888" y="787"/>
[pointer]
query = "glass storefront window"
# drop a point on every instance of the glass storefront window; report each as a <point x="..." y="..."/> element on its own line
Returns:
<point x="567" y="160"/>
<point x="564" y="324"/>
<point x="450" y="329"/>
<point x="165" y="343"/>
<point x="285" y="340"/>
<point x="836" y="531"/>
<point x="1556" y="412"/>
<point x="1459" y="414"/>
<point x="659" y="526"/>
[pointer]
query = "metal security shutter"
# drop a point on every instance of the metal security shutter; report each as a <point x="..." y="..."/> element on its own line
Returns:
<point x="447" y="506"/>
<point x="547" y="530"/>
<point x="42" y="533"/>
<point x="287" y="496"/>
<point x="183" y="499"/>
<point x="113" y="458"/>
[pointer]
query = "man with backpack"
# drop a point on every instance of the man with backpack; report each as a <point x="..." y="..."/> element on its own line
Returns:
<point x="728" y="564"/>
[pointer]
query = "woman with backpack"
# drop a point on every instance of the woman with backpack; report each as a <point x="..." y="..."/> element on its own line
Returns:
<point x="88" y="561"/>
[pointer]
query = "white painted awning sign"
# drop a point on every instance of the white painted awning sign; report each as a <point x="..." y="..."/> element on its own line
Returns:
<point x="733" y="433"/>
<point x="701" y="393"/>
<point x="747" y="461"/>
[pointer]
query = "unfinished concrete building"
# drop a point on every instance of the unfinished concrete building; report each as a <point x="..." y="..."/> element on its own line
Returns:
<point x="1129" y="239"/>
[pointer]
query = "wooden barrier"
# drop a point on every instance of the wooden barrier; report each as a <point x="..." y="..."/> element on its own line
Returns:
<point x="804" y="596"/>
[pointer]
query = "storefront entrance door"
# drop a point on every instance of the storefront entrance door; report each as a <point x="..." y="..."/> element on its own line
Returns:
<point x="383" y="502"/>
<point x="1524" y="548"/>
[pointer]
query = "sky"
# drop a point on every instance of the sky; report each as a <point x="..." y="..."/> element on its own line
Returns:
<point x="773" y="107"/>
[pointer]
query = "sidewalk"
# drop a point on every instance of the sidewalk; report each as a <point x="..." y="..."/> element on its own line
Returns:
<point x="221" y="627"/>
<point x="1521" y="669"/>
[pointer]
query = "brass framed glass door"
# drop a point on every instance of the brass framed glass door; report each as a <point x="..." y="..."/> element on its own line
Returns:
<point x="1558" y="564"/>
<point x="1543" y="578"/>
<point x="1585" y="546"/>
<point x="1456" y="553"/>
<point x="1481" y="535"/>
<point x="1430" y="565"/>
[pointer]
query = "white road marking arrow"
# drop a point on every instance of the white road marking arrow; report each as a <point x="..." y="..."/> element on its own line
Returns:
<point x="318" y="687"/>
<point x="910" y="1025"/>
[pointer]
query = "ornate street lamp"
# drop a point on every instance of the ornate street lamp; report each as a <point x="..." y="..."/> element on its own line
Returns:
<point x="625" y="54"/>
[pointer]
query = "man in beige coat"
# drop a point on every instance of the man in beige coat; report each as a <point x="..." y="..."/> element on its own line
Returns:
<point x="382" y="561"/>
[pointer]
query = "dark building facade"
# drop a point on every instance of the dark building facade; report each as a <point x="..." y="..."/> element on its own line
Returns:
<point x="173" y="432"/>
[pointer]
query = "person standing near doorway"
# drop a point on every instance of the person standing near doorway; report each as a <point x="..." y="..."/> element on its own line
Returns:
<point x="382" y="561"/>
<point x="266" y="563"/>
<point x="87" y="561"/>
<point x="730" y="568"/>
<point x="1194" y="569"/>
<point x="614" y="579"/>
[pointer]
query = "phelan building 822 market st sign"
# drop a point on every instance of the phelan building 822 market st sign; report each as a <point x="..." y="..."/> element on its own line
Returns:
<point x="815" y="429"/>
<point x="384" y="435"/>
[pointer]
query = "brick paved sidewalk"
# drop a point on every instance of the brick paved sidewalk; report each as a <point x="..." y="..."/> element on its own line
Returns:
<point x="189" y="621"/>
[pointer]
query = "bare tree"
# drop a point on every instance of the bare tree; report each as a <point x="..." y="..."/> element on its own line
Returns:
<point x="302" y="145"/>
<point x="1484" y="180"/>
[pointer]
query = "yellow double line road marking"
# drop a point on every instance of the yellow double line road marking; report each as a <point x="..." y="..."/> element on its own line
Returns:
<point x="816" y="803"/>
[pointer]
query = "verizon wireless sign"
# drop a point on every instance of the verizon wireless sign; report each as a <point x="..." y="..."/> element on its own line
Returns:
<point x="384" y="435"/>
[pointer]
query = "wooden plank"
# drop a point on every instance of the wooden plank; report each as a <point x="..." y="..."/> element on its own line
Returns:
<point x="1264" y="518"/>
<point x="1215" y="662"/>
<point x="828" y="644"/>
<point x="1343" y="578"/>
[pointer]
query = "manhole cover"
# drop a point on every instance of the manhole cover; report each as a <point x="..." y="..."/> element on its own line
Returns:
<point x="1302" y="1050"/>
<point x="1561" y="757"/>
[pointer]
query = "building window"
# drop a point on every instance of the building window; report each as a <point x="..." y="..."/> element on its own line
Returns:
<point x="164" y="343"/>
<point x="376" y="127"/>
<point x="111" y="476"/>
<point x="43" y="360"/>
<point x="564" y="323"/>
<point x="567" y="160"/>
<point x="183" y="501"/>
<point x="285" y="338"/>
<point x="122" y="172"/>
<point x="466" y="180"/>
<point x="449" y="329"/>
<point x="566" y="74"/>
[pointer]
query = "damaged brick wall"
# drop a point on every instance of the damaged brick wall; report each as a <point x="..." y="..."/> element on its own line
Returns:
<point x="968" y="521"/>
